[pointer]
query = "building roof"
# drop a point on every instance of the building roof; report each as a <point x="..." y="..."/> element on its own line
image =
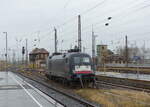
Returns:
<point x="39" y="51"/>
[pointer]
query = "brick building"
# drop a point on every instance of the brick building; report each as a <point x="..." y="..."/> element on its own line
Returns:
<point x="38" y="57"/>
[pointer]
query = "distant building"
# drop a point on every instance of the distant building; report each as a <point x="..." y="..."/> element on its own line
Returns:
<point x="2" y="65"/>
<point x="102" y="53"/>
<point x="38" y="57"/>
<point x="101" y="50"/>
<point x="115" y="59"/>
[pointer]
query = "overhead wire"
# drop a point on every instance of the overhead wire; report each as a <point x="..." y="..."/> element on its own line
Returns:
<point x="130" y="13"/>
<point x="95" y="6"/>
<point x="65" y="23"/>
<point x="82" y="13"/>
<point x="93" y="24"/>
<point x="88" y="10"/>
<point x="76" y="16"/>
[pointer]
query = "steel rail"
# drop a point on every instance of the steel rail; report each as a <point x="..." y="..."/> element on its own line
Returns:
<point x="121" y="86"/>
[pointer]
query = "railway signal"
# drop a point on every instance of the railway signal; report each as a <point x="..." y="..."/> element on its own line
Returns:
<point x="6" y="54"/>
<point x="23" y="52"/>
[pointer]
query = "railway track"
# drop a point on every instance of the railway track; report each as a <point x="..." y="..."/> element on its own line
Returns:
<point x="109" y="84"/>
<point x="71" y="100"/>
<point x="141" y="70"/>
<point x="115" y="85"/>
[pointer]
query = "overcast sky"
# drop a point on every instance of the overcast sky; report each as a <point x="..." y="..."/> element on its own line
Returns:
<point x="35" y="19"/>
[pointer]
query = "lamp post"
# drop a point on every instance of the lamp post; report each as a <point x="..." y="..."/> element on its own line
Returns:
<point x="6" y="50"/>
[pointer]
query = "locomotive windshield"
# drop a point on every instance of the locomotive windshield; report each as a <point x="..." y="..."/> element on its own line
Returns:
<point x="78" y="60"/>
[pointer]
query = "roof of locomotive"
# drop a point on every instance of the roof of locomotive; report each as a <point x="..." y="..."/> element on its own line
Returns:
<point x="67" y="55"/>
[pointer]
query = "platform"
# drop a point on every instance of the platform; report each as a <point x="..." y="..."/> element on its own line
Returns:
<point x="15" y="92"/>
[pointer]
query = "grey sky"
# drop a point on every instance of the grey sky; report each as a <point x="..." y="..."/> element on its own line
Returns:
<point x="30" y="18"/>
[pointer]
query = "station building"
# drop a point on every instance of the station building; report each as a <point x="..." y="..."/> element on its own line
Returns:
<point x="106" y="56"/>
<point x="38" y="57"/>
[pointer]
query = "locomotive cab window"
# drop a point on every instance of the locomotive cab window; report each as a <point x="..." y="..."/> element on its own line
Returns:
<point x="78" y="60"/>
<point x="85" y="59"/>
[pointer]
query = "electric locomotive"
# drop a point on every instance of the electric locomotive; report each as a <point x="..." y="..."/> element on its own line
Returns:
<point x="71" y="66"/>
